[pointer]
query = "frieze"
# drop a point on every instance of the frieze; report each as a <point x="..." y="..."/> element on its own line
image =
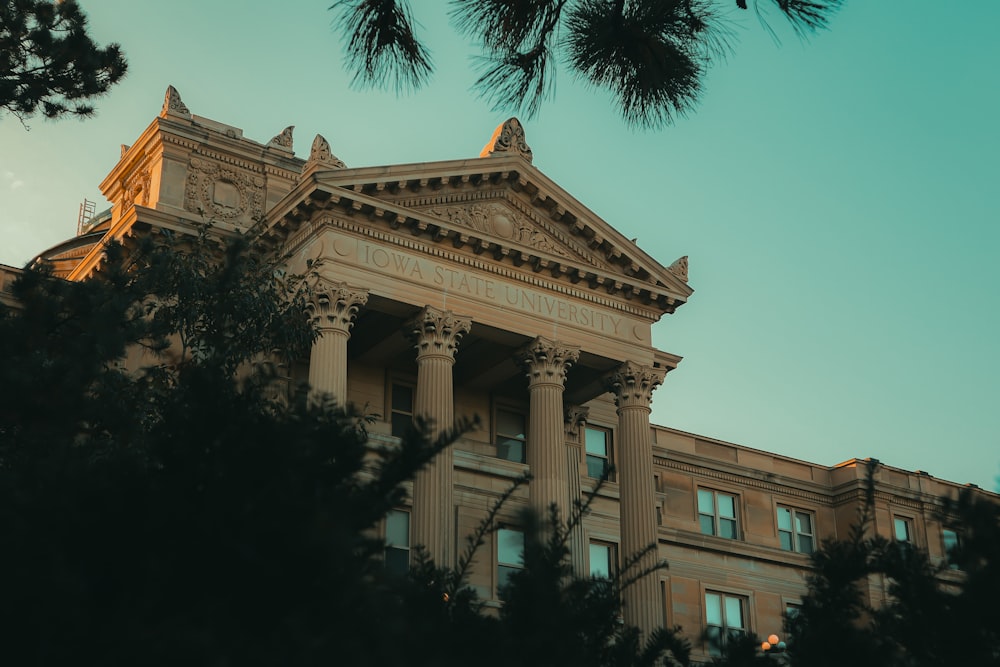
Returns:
<point x="498" y="221"/>
<point x="219" y="191"/>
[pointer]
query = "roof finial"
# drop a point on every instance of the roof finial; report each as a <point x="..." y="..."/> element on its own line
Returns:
<point x="320" y="155"/>
<point x="173" y="105"/>
<point x="284" y="139"/>
<point x="507" y="138"/>
<point x="680" y="268"/>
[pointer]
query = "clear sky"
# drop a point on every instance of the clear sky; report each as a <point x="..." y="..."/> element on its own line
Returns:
<point x="837" y="199"/>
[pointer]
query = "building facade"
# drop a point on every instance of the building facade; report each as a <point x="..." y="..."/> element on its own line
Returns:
<point x="479" y="287"/>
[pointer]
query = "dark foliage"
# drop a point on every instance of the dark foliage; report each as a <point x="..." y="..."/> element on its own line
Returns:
<point x="49" y="63"/>
<point x="650" y="54"/>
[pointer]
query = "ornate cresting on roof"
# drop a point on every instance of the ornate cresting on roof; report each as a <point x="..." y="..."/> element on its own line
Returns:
<point x="283" y="139"/>
<point x="320" y="156"/>
<point x="507" y="138"/>
<point x="173" y="105"/>
<point x="680" y="268"/>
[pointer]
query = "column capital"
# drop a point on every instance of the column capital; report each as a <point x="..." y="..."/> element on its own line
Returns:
<point x="334" y="306"/>
<point x="576" y="416"/>
<point x="633" y="384"/>
<point x="436" y="333"/>
<point x="547" y="361"/>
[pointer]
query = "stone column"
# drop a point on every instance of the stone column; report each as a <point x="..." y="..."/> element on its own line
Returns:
<point x="546" y="362"/>
<point x="632" y="386"/>
<point x="435" y="335"/>
<point x="333" y="310"/>
<point x="576" y="417"/>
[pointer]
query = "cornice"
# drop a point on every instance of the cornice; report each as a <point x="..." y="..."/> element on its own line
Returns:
<point x="743" y="480"/>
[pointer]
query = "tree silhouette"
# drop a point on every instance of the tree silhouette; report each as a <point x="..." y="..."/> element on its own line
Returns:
<point x="652" y="55"/>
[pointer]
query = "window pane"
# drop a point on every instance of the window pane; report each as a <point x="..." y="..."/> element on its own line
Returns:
<point x="397" y="561"/>
<point x="510" y="546"/>
<point x="596" y="466"/>
<point x="786" y="539"/>
<point x="504" y="573"/>
<point x="706" y="504"/>
<point x="713" y="609"/>
<point x="805" y="544"/>
<point x="727" y="505"/>
<point x="597" y="441"/>
<point x="714" y="636"/>
<point x="400" y="424"/>
<point x="902" y="529"/>
<point x="600" y="560"/>
<point x="803" y="523"/>
<point x="950" y="539"/>
<point x="510" y="424"/>
<point x="734" y="613"/>
<point x="402" y="398"/>
<point x="397" y="528"/>
<point x="510" y="449"/>
<point x="784" y="519"/>
<point x="727" y="528"/>
<point x="707" y="524"/>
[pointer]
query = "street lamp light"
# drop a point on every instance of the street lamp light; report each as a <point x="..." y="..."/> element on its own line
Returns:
<point x="773" y="645"/>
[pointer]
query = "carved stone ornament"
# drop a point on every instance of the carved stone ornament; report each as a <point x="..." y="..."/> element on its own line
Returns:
<point x="508" y="138"/>
<point x="283" y="139"/>
<point x="547" y="361"/>
<point x="680" y="268"/>
<point x="633" y="384"/>
<point x="437" y="332"/>
<point x="135" y="188"/>
<point x="576" y="416"/>
<point x="335" y="306"/>
<point x="320" y="155"/>
<point x="499" y="221"/>
<point x="173" y="105"/>
<point x="223" y="192"/>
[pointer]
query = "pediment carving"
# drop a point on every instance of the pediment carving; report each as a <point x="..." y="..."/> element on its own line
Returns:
<point x="493" y="219"/>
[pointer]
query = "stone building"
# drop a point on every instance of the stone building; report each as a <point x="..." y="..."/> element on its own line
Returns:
<point x="479" y="287"/>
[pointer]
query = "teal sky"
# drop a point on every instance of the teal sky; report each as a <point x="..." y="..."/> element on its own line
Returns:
<point x="837" y="199"/>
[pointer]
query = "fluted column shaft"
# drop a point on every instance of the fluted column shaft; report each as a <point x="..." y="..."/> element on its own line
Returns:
<point x="632" y="386"/>
<point x="333" y="310"/>
<point x="546" y="362"/>
<point x="435" y="335"/>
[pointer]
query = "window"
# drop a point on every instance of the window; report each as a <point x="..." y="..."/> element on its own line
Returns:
<point x="902" y="529"/>
<point x="717" y="513"/>
<point x="401" y="409"/>
<point x="795" y="528"/>
<point x="951" y="541"/>
<point x="725" y="618"/>
<point x="397" y="542"/>
<point x="510" y="554"/>
<point x="598" y="445"/>
<point x="603" y="560"/>
<point x="510" y="435"/>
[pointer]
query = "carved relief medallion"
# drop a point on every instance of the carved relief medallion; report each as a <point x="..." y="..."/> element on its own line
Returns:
<point x="223" y="192"/>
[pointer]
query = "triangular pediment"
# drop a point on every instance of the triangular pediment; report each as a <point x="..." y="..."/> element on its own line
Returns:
<point x="503" y="204"/>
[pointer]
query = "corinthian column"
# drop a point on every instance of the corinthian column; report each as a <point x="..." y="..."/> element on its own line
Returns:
<point x="435" y="335"/>
<point x="333" y="310"/>
<point x="546" y="362"/>
<point x="632" y="386"/>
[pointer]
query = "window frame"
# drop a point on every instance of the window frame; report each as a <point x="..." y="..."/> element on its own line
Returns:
<point x="612" y="558"/>
<point x="793" y="532"/>
<point x="908" y="523"/>
<point x="390" y="547"/>
<point x="726" y="630"/>
<point x="715" y="517"/>
<point x="607" y="457"/>
<point x="946" y="549"/>
<point x="509" y="437"/>
<point x="506" y="569"/>
<point x="393" y="411"/>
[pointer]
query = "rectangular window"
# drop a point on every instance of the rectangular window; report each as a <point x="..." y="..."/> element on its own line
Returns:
<point x="951" y="541"/>
<point x="397" y="542"/>
<point x="902" y="529"/>
<point x="510" y="554"/>
<point x="717" y="513"/>
<point x="401" y="409"/>
<point x="725" y="618"/>
<point x="603" y="560"/>
<point x="795" y="528"/>
<point x="511" y="438"/>
<point x="598" y="445"/>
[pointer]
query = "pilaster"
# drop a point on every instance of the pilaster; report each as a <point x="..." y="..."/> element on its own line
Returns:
<point x="576" y="417"/>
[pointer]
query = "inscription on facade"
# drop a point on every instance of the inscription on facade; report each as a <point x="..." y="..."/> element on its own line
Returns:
<point x="503" y="295"/>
